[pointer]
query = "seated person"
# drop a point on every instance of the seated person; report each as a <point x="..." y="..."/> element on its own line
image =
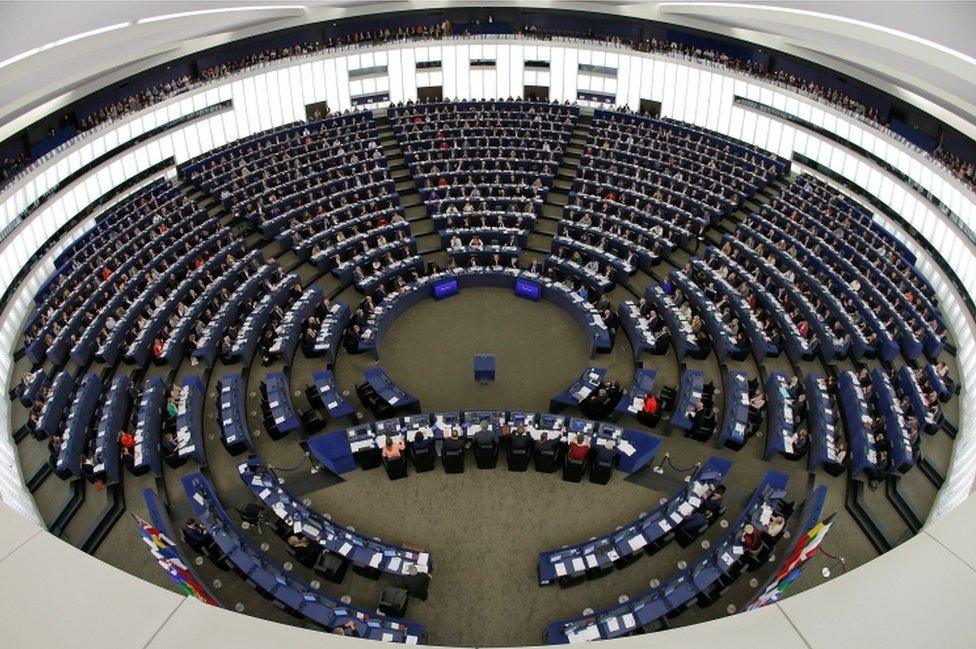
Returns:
<point x="579" y="448"/>
<point x="196" y="535"/>
<point x="305" y="551"/>
<point x="545" y="445"/>
<point x="520" y="439"/>
<point x="454" y="442"/>
<point x="391" y="449"/>
<point x="420" y="442"/>
<point x="713" y="502"/>
<point x="484" y="437"/>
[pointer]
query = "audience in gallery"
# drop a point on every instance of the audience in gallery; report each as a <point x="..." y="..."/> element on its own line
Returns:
<point x="966" y="171"/>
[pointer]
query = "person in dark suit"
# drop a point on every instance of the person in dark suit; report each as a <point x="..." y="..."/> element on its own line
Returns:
<point x="520" y="439"/>
<point x="484" y="437"/>
<point x="196" y="536"/>
<point x="606" y="452"/>
<point x="420" y="442"/>
<point x="545" y="444"/>
<point x="713" y="502"/>
<point x="454" y="442"/>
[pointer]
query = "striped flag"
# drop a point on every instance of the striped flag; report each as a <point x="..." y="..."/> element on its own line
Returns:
<point x="794" y="564"/>
<point x="168" y="556"/>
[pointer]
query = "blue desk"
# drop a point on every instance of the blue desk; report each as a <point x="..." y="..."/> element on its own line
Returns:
<point x="735" y="423"/>
<point x="276" y="401"/>
<point x="779" y="416"/>
<point x="232" y="414"/>
<point x="328" y="396"/>
<point x="149" y="420"/>
<point x="585" y="385"/>
<point x="290" y="329"/>
<point x="689" y="393"/>
<point x="189" y="421"/>
<point x="288" y="591"/>
<point x="359" y="549"/>
<point x="484" y="367"/>
<point x="338" y="449"/>
<point x="895" y="430"/>
<point x="329" y="336"/>
<point x="112" y="421"/>
<point x="76" y="426"/>
<point x="640" y="336"/>
<point x="908" y="385"/>
<point x="717" y="563"/>
<point x="394" y="396"/>
<point x="823" y="425"/>
<point x="633" y="401"/>
<point x="863" y="453"/>
<point x="627" y="541"/>
<point x="391" y="307"/>
<point x="52" y="412"/>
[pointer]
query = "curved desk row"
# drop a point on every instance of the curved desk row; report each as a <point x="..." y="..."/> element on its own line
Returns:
<point x="287" y="591"/>
<point x="650" y="531"/>
<point x="357" y="548"/>
<point x="536" y="285"/>
<point x="339" y="450"/>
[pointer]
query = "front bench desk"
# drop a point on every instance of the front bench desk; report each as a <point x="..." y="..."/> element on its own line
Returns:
<point x="642" y="339"/>
<point x="689" y="394"/>
<point x="900" y="445"/>
<point x="149" y="422"/>
<point x="357" y="548"/>
<point x="75" y="431"/>
<point x="232" y="414"/>
<point x="649" y="532"/>
<point x="588" y="383"/>
<point x="633" y="401"/>
<point x="823" y="425"/>
<point x="278" y="411"/>
<point x="720" y="562"/>
<point x="855" y="410"/>
<point x="324" y="394"/>
<point x="189" y="422"/>
<point x="395" y="397"/>
<point x="735" y="423"/>
<point x="112" y="421"/>
<point x="282" y="587"/>
<point x="533" y="286"/>
<point x="339" y="450"/>
<point x="780" y="432"/>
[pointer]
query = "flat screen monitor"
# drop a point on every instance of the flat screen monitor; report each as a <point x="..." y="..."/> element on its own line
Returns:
<point x="528" y="290"/>
<point x="444" y="289"/>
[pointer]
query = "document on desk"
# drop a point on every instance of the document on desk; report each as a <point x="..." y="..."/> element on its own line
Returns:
<point x="637" y="542"/>
<point x="626" y="448"/>
<point x="375" y="560"/>
<point x="613" y="625"/>
<point x="264" y="494"/>
<point x="586" y="634"/>
<point x="560" y="569"/>
<point x="699" y="489"/>
<point x="591" y="561"/>
<point x="393" y="399"/>
<point x="345" y="549"/>
<point x="578" y="565"/>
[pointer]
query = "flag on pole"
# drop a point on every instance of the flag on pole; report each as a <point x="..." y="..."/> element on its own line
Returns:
<point x="168" y="556"/>
<point x="805" y="547"/>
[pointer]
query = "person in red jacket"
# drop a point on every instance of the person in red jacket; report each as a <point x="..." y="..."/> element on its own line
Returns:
<point x="579" y="448"/>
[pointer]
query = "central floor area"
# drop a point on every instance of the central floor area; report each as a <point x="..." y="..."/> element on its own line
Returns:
<point x="539" y="351"/>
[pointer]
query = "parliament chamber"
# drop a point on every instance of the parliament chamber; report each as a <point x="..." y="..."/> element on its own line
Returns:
<point x="486" y="326"/>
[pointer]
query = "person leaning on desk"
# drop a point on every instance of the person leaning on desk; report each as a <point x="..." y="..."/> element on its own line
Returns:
<point x="520" y="439"/>
<point x="392" y="449"/>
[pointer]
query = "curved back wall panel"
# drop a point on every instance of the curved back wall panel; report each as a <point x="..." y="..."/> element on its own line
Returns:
<point x="688" y="90"/>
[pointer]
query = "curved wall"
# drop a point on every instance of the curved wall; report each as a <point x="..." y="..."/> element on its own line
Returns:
<point x="688" y="90"/>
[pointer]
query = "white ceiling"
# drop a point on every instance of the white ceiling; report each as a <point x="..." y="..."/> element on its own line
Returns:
<point x="921" y="51"/>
